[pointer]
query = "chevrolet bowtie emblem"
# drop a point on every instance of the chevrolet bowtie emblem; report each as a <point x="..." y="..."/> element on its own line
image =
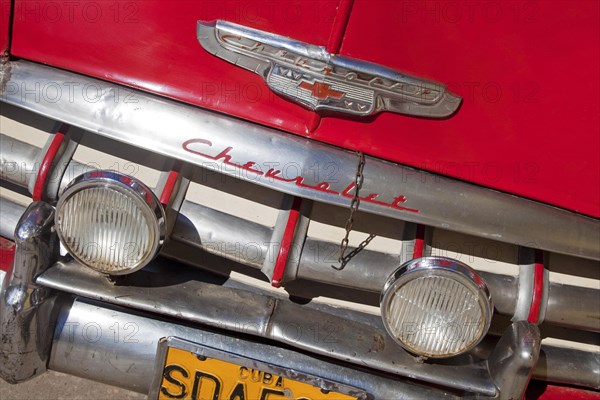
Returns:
<point x="321" y="91"/>
<point x="318" y="80"/>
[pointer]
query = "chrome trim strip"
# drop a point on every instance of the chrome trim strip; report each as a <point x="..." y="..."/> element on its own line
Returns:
<point x="504" y="290"/>
<point x="569" y="366"/>
<point x="287" y="163"/>
<point x="216" y="232"/>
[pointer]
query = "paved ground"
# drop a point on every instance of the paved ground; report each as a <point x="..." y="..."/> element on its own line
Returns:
<point x="56" y="386"/>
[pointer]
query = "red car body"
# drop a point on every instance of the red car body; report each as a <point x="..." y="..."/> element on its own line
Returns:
<point x="527" y="73"/>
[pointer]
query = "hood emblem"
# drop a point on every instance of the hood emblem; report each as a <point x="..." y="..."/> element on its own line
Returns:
<point x="321" y="91"/>
<point x="318" y="80"/>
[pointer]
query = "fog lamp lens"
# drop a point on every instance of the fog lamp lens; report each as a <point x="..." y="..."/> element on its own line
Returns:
<point x="110" y="222"/>
<point x="436" y="307"/>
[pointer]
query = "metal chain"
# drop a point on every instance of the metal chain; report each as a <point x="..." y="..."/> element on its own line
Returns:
<point x="358" y="182"/>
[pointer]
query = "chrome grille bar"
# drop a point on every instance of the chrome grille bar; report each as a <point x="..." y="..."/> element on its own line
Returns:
<point x="10" y="212"/>
<point x="17" y="161"/>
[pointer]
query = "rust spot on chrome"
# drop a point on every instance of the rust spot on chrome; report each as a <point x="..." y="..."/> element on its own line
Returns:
<point x="378" y="344"/>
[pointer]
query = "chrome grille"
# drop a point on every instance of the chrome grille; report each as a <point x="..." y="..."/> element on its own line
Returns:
<point x="205" y="237"/>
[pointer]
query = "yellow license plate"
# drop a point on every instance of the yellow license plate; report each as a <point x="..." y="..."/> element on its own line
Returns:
<point x="187" y="375"/>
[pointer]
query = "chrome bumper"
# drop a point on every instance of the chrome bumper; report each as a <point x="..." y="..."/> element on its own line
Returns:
<point x="102" y="342"/>
<point x="109" y="331"/>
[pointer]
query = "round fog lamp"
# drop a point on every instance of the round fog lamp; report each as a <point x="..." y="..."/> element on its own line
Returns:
<point x="436" y="307"/>
<point x="110" y="222"/>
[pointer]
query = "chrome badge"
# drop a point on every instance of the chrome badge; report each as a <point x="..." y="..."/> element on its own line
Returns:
<point x="318" y="80"/>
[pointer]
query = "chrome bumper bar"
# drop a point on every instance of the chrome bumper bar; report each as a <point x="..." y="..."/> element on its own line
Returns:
<point x="119" y="347"/>
<point x="343" y="334"/>
<point x="265" y="156"/>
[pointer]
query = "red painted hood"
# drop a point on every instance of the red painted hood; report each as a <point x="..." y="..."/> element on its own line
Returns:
<point x="529" y="75"/>
<point x="527" y="71"/>
<point x="4" y="26"/>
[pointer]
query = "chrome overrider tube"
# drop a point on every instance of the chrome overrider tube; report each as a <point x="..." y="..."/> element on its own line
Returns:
<point x="513" y="360"/>
<point x="27" y="309"/>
